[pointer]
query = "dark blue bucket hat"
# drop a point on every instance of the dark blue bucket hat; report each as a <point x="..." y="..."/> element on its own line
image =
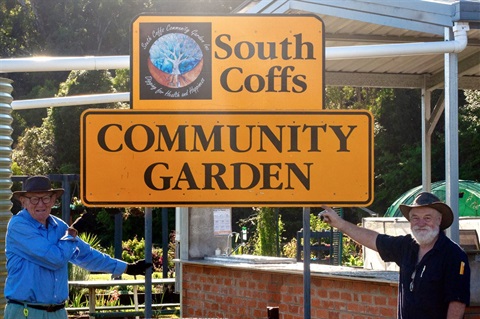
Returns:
<point x="37" y="184"/>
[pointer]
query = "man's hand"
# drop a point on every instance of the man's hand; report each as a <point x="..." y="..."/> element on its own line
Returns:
<point x="361" y="235"/>
<point x="137" y="268"/>
<point x="84" y="222"/>
<point x="72" y="232"/>
<point x="330" y="216"/>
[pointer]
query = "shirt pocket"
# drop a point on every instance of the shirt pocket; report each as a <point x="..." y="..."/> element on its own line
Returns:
<point x="431" y="290"/>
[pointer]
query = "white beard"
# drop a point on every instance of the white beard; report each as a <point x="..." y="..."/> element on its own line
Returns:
<point x="425" y="236"/>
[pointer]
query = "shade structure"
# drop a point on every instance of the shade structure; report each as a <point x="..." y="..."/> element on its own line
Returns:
<point x="468" y="198"/>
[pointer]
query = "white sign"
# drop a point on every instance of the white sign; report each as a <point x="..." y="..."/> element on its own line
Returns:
<point x="222" y="221"/>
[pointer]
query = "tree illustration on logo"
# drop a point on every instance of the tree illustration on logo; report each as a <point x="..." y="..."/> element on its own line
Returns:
<point x="176" y="60"/>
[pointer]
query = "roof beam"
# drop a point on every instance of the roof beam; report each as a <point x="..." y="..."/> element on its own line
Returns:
<point x="376" y="13"/>
<point x="380" y="80"/>
<point x="465" y="68"/>
<point x="395" y="81"/>
<point x="270" y="6"/>
<point x="466" y="11"/>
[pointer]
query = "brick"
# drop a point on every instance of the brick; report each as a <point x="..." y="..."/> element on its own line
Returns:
<point x="346" y="296"/>
<point x="319" y="313"/>
<point x="218" y="292"/>
<point x="333" y="294"/>
<point x="380" y="300"/>
<point x="388" y="312"/>
<point x="365" y="298"/>
<point x="355" y="308"/>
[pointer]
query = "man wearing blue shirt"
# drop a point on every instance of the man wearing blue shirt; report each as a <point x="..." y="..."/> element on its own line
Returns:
<point x="39" y="247"/>
<point x="434" y="271"/>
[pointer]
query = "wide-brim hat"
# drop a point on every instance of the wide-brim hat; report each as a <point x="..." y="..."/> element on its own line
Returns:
<point x="426" y="199"/>
<point x="37" y="184"/>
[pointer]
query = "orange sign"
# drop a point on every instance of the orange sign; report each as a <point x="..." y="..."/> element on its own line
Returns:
<point x="237" y="62"/>
<point x="226" y="158"/>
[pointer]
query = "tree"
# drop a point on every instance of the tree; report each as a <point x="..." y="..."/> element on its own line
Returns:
<point x="268" y="227"/>
<point x="18" y="34"/>
<point x="397" y="147"/>
<point x="66" y="120"/>
<point x="74" y="27"/>
<point x="469" y="136"/>
<point x="34" y="154"/>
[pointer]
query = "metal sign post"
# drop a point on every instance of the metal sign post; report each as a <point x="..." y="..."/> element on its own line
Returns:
<point x="148" y="259"/>
<point x="306" y="263"/>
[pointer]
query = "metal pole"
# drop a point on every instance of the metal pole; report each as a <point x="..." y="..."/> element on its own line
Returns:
<point x="5" y="175"/>
<point x="165" y="242"/>
<point x="148" y="259"/>
<point x="66" y="199"/>
<point x="118" y="234"/>
<point x="277" y="217"/>
<point x="451" y="137"/>
<point x="306" y="263"/>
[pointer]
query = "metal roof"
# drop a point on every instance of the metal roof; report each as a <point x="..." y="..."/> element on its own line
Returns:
<point x="374" y="22"/>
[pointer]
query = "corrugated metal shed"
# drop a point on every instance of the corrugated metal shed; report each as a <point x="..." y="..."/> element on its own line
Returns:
<point x="377" y="22"/>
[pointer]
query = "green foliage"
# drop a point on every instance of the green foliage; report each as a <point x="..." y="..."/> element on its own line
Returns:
<point x="55" y="146"/>
<point x="18" y="34"/>
<point x="351" y="253"/>
<point x="290" y="248"/>
<point x="34" y="154"/>
<point x="92" y="240"/>
<point x="77" y="300"/>
<point x="16" y="170"/>
<point x="105" y="226"/>
<point x="66" y="120"/>
<point x="267" y="229"/>
<point x="397" y="136"/>
<point x="316" y="224"/>
<point x="121" y="81"/>
<point x="111" y="299"/>
<point x="133" y="250"/>
<point x="348" y="97"/>
<point x="469" y="136"/>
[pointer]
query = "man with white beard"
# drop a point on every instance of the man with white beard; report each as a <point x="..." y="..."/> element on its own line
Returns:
<point x="434" y="270"/>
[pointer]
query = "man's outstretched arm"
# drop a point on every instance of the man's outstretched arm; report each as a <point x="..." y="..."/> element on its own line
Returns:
<point x="363" y="236"/>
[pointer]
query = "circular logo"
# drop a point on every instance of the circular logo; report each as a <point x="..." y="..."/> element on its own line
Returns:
<point x="175" y="60"/>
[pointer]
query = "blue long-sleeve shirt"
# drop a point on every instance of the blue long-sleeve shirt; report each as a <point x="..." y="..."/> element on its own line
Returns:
<point x="38" y="257"/>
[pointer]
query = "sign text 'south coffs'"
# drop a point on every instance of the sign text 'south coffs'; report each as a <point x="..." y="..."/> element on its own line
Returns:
<point x="239" y="62"/>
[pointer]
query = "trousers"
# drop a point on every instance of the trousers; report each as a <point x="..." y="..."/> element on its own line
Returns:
<point x="13" y="311"/>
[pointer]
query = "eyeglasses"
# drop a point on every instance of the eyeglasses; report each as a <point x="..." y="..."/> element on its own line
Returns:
<point x="45" y="199"/>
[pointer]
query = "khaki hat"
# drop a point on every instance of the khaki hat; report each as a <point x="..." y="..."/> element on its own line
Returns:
<point x="426" y="199"/>
<point x="37" y="184"/>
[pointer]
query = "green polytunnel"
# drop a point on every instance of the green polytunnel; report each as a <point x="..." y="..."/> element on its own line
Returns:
<point x="468" y="198"/>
